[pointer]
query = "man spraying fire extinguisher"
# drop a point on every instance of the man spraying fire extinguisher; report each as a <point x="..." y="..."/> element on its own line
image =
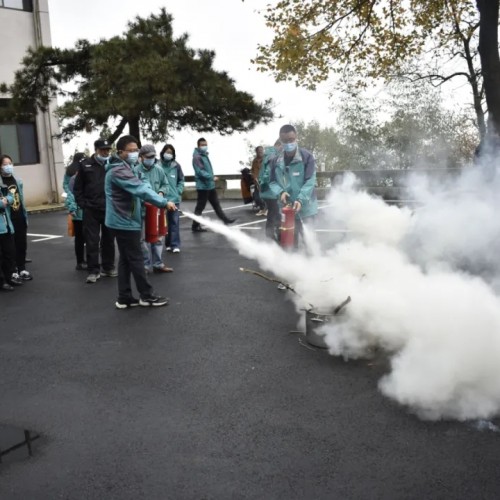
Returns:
<point x="124" y="192"/>
<point x="293" y="181"/>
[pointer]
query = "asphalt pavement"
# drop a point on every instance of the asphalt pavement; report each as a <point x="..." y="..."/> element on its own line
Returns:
<point x="211" y="397"/>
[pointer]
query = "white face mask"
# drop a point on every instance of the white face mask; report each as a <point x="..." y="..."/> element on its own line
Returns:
<point x="132" y="158"/>
<point x="168" y="156"/>
<point x="148" y="162"/>
<point x="290" y="147"/>
<point x="7" y="170"/>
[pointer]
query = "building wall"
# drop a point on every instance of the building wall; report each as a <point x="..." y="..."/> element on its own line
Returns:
<point x="20" y="30"/>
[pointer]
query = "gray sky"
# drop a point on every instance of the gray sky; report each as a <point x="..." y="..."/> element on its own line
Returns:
<point x="230" y="27"/>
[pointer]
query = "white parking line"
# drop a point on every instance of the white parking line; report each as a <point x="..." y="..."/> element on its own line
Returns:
<point x="213" y="211"/>
<point x="43" y="237"/>
<point x="251" y="223"/>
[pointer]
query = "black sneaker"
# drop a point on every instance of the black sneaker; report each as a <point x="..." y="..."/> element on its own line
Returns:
<point x="199" y="229"/>
<point x="15" y="280"/>
<point x="109" y="273"/>
<point x="229" y="221"/>
<point x="126" y="303"/>
<point x="25" y="275"/>
<point x="153" y="300"/>
<point x="81" y="266"/>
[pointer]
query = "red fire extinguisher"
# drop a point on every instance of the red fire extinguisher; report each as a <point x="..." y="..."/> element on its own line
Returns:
<point x="162" y="223"/>
<point x="287" y="229"/>
<point x="156" y="223"/>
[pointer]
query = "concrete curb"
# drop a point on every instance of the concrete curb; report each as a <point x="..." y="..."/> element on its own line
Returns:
<point x="39" y="209"/>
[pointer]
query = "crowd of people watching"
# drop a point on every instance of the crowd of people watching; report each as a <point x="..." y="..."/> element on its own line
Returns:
<point x="106" y="195"/>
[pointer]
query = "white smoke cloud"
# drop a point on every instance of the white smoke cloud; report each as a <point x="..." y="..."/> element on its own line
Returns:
<point x="423" y="289"/>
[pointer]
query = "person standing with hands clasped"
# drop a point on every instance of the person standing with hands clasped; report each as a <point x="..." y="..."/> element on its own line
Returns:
<point x="148" y="170"/>
<point x="19" y="218"/>
<point x="293" y="179"/>
<point x="75" y="211"/>
<point x="124" y="192"/>
<point x="7" y="246"/>
<point x="255" y="170"/>
<point x="89" y="195"/>
<point x="175" y="178"/>
<point x="205" y="186"/>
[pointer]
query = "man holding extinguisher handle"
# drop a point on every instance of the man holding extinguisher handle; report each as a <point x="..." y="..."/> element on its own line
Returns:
<point x="293" y="179"/>
<point x="296" y="204"/>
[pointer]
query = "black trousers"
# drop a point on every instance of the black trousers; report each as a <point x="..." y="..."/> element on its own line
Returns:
<point x="7" y="256"/>
<point x="209" y="195"/>
<point x="20" y="241"/>
<point x="98" y="236"/>
<point x="258" y="199"/>
<point x="299" y="228"/>
<point x="79" y="241"/>
<point x="273" y="220"/>
<point x="131" y="262"/>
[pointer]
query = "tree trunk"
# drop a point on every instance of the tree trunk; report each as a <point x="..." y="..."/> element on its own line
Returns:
<point x="490" y="58"/>
<point x="476" y="92"/>
<point x="133" y="127"/>
<point x="119" y="129"/>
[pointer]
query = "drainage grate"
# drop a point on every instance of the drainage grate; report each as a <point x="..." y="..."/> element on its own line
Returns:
<point x="16" y="444"/>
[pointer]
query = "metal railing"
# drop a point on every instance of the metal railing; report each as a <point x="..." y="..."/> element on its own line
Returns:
<point x="390" y="184"/>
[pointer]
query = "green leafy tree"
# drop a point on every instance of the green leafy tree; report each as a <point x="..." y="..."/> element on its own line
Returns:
<point x="384" y="39"/>
<point x="145" y="79"/>
<point x="408" y="128"/>
<point x="421" y="132"/>
<point x="361" y="145"/>
<point x="322" y="142"/>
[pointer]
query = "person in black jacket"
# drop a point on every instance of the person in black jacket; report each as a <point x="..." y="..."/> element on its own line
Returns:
<point x="89" y="194"/>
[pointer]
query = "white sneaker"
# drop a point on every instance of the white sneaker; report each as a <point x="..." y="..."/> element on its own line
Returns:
<point x="93" y="277"/>
<point x="176" y="250"/>
<point x="259" y="213"/>
<point x="281" y="286"/>
<point x="169" y="249"/>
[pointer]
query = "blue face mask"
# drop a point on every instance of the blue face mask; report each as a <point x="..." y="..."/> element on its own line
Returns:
<point x="148" y="162"/>
<point x="132" y="158"/>
<point x="289" y="147"/>
<point x="168" y="157"/>
<point x="102" y="159"/>
<point x="203" y="149"/>
<point x="8" y="170"/>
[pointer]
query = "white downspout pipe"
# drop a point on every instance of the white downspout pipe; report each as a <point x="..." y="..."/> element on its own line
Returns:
<point x="49" y="135"/>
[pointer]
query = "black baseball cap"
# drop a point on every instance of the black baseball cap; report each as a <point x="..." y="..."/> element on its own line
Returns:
<point x="102" y="144"/>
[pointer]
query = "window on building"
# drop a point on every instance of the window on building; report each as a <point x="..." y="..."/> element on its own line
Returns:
<point x="19" y="140"/>
<point x="17" y="4"/>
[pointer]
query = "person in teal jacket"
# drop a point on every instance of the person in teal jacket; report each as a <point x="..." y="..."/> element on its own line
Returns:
<point x="19" y="218"/>
<point x="293" y="179"/>
<point x="124" y="192"/>
<point x="270" y="198"/>
<point x="205" y="185"/>
<point x="149" y="170"/>
<point x="7" y="244"/>
<point x="75" y="211"/>
<point x="175" y="178"/>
